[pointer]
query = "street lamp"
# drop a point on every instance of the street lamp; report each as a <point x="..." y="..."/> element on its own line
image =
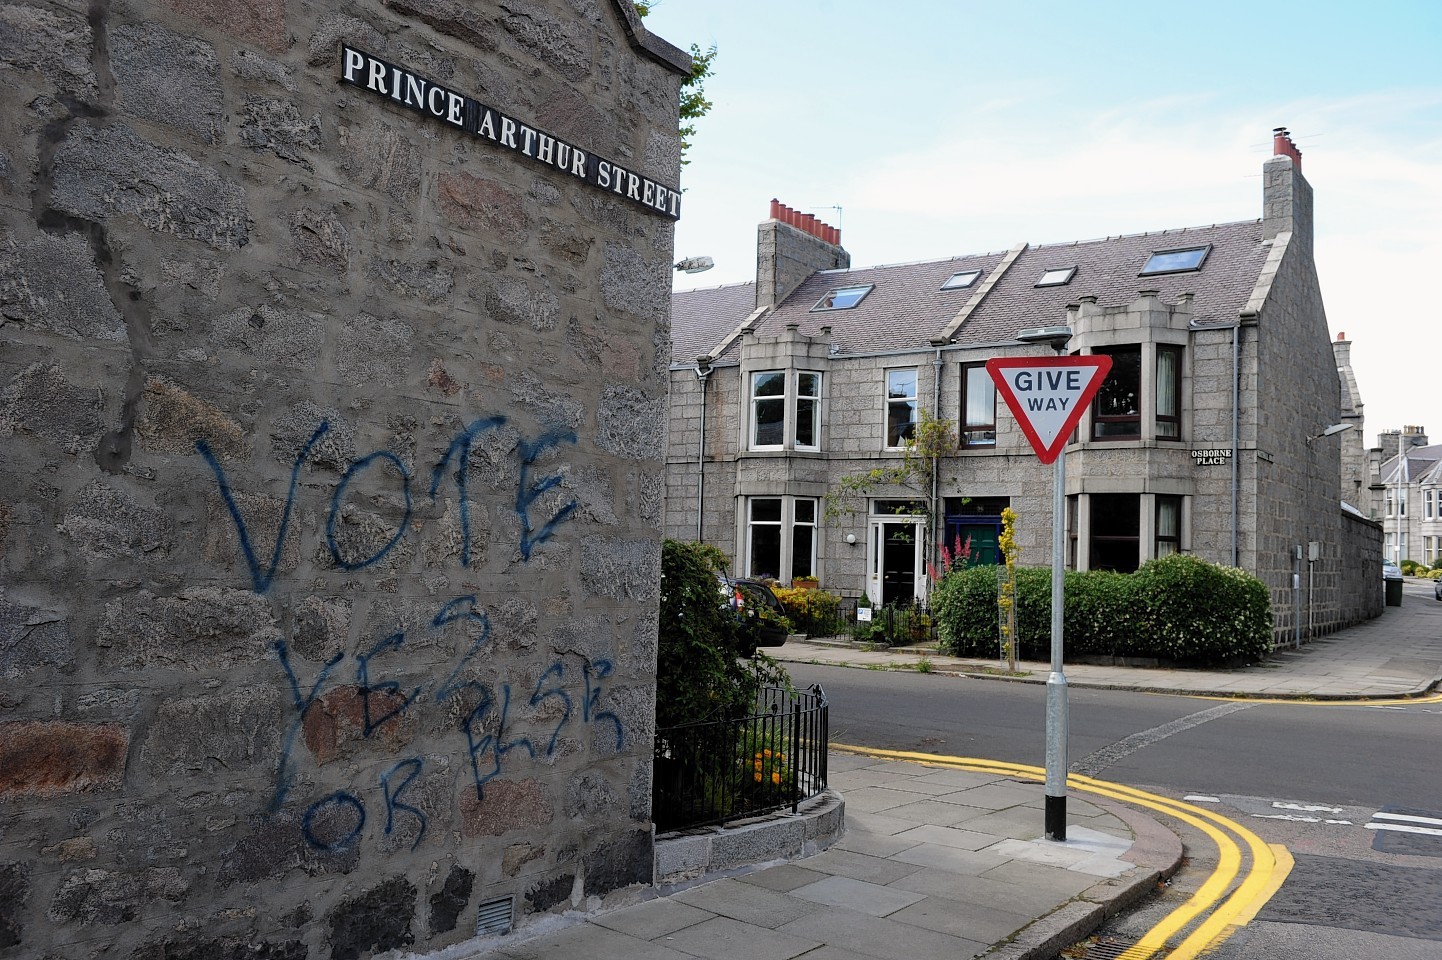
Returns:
<point x="1311" y="555"/>
<point x="695" y="265"/>
<point x="1056" y="692"/>
<point x="1330" y="431"/>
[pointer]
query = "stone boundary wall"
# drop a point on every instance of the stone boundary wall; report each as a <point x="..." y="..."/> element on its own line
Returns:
<point x="330" y="501"/>
<point x="1361" y="594"/>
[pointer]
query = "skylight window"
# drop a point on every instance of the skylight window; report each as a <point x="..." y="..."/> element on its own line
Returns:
<point x="1176" y="261"/>
<point x="960" y="281"/>
<point x="842" y="298"/>
<point x="1056" y="276"/>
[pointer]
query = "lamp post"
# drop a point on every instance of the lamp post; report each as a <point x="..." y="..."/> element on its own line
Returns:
<point x="1401" y="493"/>
<point x="703" y="374"/>
<point x="1333" y="430"/>
<point x="1056" y="689"/>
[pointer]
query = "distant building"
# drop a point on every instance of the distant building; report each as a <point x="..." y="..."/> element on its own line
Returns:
<point x="1406" y="494"/>
<point x="1210" y="435"/>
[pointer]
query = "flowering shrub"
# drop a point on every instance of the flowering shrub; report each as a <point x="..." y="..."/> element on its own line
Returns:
<point x="812" y="612"/>
<point x="768" y="776"/>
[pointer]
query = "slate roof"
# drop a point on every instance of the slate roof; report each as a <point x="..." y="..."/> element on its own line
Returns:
<point x="907" y="308"/>
<point x="701" y="318"/>
<point x="1424" y="465"/>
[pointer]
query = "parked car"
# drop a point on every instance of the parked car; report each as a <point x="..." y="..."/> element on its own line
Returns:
<point x="1390" y="571"/>
<point x="757" y="610"/>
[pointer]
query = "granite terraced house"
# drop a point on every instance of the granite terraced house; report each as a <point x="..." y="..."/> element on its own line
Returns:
<point x="1206" y="437"/>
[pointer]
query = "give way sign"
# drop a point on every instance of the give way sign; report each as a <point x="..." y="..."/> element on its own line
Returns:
<point x="1048" y="394"/>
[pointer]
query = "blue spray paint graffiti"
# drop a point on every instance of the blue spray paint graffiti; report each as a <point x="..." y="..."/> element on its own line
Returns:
<point x="393" y="797"/>
<point x="302" y="704"/>
<point x="528" y="493"/>
<point x="487" y="724"/>
<point x="339" y="499"/>
<point x="337" y="820"/>
<point x="460" y="449"/>
<point x="260" y="580"/>
<point x="456" y="456"/>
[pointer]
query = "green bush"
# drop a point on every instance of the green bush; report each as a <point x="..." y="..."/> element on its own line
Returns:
<point x="1201" y="611"/>
<point x="704" y="670"/>
<point x="1176" y="608"/>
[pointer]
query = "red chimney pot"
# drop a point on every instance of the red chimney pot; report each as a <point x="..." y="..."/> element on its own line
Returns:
<point x="1282" y="146"/>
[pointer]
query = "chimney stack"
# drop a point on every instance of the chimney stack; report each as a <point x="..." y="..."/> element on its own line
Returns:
<point x="805" y="222"/>
<point x="1286" y="195"/>
<point x="785" y="258"/>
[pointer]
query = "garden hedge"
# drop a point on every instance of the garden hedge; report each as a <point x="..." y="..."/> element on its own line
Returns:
<point x="1176" y="608"/>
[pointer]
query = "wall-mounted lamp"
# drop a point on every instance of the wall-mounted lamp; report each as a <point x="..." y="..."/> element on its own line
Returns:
<point x="851" y="539"/>
<point x="695" y="264"/>
<point x="1054" y="337"/>
<point x="1334" y="428"/>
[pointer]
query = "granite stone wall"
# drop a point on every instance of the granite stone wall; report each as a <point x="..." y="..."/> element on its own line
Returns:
<point x="331" y="487"/>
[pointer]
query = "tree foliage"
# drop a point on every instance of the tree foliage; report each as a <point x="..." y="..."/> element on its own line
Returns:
<point x="932" y="438"/>
<point x="704" y="670"/>
<point x="694" y="103"/>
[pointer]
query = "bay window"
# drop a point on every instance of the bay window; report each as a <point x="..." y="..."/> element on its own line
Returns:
<point x="1117" y="410"/>
<point x="1140" y="371"/>
<point x="1169" y="393"/>
<point x="781" y="537"/>
<point x="1115" y="532"/>
<point x="1169" y="526"/>
<point x="768" y="410"/>
<point x="785" y="410"/>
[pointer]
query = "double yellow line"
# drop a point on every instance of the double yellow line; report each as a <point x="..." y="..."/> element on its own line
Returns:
<point x="1270" y="863"/>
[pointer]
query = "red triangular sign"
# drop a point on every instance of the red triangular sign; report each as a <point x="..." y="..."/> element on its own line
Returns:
<point x="1047" y="395"/>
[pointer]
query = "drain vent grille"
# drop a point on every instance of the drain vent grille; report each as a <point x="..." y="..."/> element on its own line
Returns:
<point x="494" y="917"/>
<point x="1110" y="948"/>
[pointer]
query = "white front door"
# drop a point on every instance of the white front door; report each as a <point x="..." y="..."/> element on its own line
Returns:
<point x="897" y="567"/>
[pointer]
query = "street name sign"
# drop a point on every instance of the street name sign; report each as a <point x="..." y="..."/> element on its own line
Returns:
<point x="1047" y="395"/>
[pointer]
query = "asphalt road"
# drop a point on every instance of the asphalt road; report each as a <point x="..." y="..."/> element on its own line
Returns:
<point x="1310" y="776"/>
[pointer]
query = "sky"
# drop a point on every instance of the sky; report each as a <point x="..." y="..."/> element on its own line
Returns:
<point x="927" y="129"/>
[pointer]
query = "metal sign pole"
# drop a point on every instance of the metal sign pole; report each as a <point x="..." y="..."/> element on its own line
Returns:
<point x="1047" y="397"/>
<point x="1056" y="692"/>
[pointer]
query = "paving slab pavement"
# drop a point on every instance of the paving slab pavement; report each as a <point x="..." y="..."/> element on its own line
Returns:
<point x="940" y="863"/>
<point x="948" y="863"/>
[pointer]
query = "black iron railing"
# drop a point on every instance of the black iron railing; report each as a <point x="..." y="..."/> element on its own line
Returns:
<point x="897" y="625"/>
<point x="725" y="770"/>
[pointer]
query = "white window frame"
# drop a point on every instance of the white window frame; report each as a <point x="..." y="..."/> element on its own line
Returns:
<point x="974" y="376"/>
<point x="911" y="400"/>
<point x="785" y="526"/>
<point x="790" y="399"/>
<point x="814" y="400"/>
<point x="754" y="402"/>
